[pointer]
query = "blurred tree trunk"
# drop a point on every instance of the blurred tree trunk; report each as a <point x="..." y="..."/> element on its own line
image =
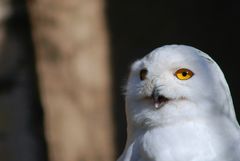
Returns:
<point x="73" y="66"/>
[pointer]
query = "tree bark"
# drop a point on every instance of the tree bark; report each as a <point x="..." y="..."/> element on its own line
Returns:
<point x="73" y="67"/>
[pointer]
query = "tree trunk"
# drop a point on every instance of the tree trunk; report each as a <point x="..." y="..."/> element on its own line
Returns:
<point x="73" y="66"/>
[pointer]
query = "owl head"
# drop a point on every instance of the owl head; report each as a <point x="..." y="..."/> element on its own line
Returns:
<point x="176" y="83"/>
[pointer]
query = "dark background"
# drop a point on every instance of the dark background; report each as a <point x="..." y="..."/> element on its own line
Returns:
<point x="136" y="27"/>
<point x="21" y="116"/>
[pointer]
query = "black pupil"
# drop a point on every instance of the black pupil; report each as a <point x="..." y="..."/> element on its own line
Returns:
<point x="143" y="74"/>
<point x="184" y="74"/>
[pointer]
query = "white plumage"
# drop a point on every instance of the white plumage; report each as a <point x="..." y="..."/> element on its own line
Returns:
<point x="179" y="108"/>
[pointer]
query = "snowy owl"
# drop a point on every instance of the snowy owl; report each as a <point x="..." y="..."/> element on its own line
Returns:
<point x="179" y="108"/>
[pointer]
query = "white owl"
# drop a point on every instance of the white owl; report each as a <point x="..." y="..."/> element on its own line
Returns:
<point x="179" y="108"/>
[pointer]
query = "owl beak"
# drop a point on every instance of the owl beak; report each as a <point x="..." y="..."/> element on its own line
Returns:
<point x="159" y="100"/>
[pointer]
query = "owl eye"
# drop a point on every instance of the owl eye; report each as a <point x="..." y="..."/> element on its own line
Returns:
<point x="184" y="74"/>
<point x="143" y="74"/>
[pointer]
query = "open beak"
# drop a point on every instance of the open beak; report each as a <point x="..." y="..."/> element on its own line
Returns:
<point x="158" y="99"/>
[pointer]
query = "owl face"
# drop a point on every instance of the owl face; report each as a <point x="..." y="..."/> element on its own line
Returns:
<point x="173" y="82"/>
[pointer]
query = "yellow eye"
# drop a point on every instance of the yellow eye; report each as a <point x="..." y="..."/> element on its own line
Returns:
<point x="183" y="74"/>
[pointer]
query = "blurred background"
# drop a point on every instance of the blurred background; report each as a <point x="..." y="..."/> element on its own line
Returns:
<point x="63" y="65"/>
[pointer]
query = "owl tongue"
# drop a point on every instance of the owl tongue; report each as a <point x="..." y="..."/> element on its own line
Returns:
<point x="159" y="101"/>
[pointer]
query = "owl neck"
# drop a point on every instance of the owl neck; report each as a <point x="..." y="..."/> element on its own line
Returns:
<point x="139" y="126"/>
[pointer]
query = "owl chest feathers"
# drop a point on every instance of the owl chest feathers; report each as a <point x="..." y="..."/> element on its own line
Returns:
<point x="189" y="141"/>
